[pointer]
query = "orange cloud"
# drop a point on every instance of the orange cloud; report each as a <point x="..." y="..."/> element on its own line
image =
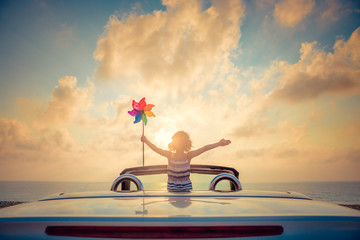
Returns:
<point x="69" y="150"/>
<point x="334" y="10"/>
<point x="319" y="73"/>
<point x="185" y="53"/>
<point x="178" y="49"/>
<point x="290" y="12"/>
<point x="65" y="37"/>
<point x="14" y="134"/>
<point x="19" y="139"/>
<point x="67" y="102"/>
<point x="298" y="164"/>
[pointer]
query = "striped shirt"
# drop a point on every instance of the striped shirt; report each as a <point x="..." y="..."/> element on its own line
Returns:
<point x="179" y="175"/>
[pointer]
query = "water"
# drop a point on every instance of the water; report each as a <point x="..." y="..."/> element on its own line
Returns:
<point x="334" y="192"/>
<point x="33" y="191"/>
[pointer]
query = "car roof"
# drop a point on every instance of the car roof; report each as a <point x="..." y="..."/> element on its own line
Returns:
<point x="195" y="168"/>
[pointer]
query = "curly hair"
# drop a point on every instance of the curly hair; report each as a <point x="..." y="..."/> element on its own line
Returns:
<point x="180" y="141"/>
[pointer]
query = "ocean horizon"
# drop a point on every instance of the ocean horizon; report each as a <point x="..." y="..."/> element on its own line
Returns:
<point x="333" y="192"/>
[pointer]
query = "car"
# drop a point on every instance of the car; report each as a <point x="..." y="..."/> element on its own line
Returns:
<point x="138" y="206"/>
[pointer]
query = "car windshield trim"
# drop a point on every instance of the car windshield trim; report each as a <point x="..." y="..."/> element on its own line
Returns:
<point x="195" y="168"/>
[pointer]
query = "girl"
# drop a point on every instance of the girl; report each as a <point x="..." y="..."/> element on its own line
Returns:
<point x="179" y="157"/>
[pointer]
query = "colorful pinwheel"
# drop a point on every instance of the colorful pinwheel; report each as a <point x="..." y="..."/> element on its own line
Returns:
<point x="141" y="110"/>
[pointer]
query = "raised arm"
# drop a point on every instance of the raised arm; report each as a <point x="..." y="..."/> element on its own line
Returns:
<point x="153" y="147"/>
<point x="208" y="147"/>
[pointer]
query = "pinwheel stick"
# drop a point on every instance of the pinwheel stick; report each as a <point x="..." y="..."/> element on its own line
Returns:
<point x="143" y="144"/>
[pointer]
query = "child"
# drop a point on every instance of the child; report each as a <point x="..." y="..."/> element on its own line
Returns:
<point x="179" y="157"/>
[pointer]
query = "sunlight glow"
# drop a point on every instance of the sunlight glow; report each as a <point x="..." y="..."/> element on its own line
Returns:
<point x="163" y="136"/>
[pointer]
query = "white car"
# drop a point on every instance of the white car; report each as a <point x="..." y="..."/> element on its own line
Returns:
<point x="136" y="208"/>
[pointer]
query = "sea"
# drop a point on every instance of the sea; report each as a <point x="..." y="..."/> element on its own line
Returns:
<point x="335" y="192"/>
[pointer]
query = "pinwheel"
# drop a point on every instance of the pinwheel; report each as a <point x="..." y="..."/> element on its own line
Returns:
<point x="141" y="110"/>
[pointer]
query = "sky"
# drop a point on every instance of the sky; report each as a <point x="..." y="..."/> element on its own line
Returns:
<point x="279" y="78"/>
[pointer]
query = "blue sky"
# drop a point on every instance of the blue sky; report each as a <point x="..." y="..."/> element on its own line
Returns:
<point x="280" y="78"/>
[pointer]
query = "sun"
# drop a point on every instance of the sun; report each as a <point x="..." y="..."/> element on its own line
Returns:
<point x="163" y="136"/>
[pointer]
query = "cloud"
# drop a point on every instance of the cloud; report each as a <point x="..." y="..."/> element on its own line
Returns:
<point x="65" y="37"/>
<point x="336" y="9"/>
<point x="319" y="72"/>
<point x="290" y="12"/>
<point x="333" y="11"/>
<point x="182" y="60"/>
<point x="253" y="129"/>
<point x="299" y="164"/>
<point x="17" y="136"/>
<point x="67" y="102"/>
<point x="68" y="147"/>
<point x="179" y="49"/>
<point x="13" y="133"/>
<point x="265" y="4"/>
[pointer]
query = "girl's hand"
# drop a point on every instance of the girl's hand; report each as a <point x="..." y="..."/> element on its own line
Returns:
<point x="224" y="142"/>
<point x="143" y="138"/>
